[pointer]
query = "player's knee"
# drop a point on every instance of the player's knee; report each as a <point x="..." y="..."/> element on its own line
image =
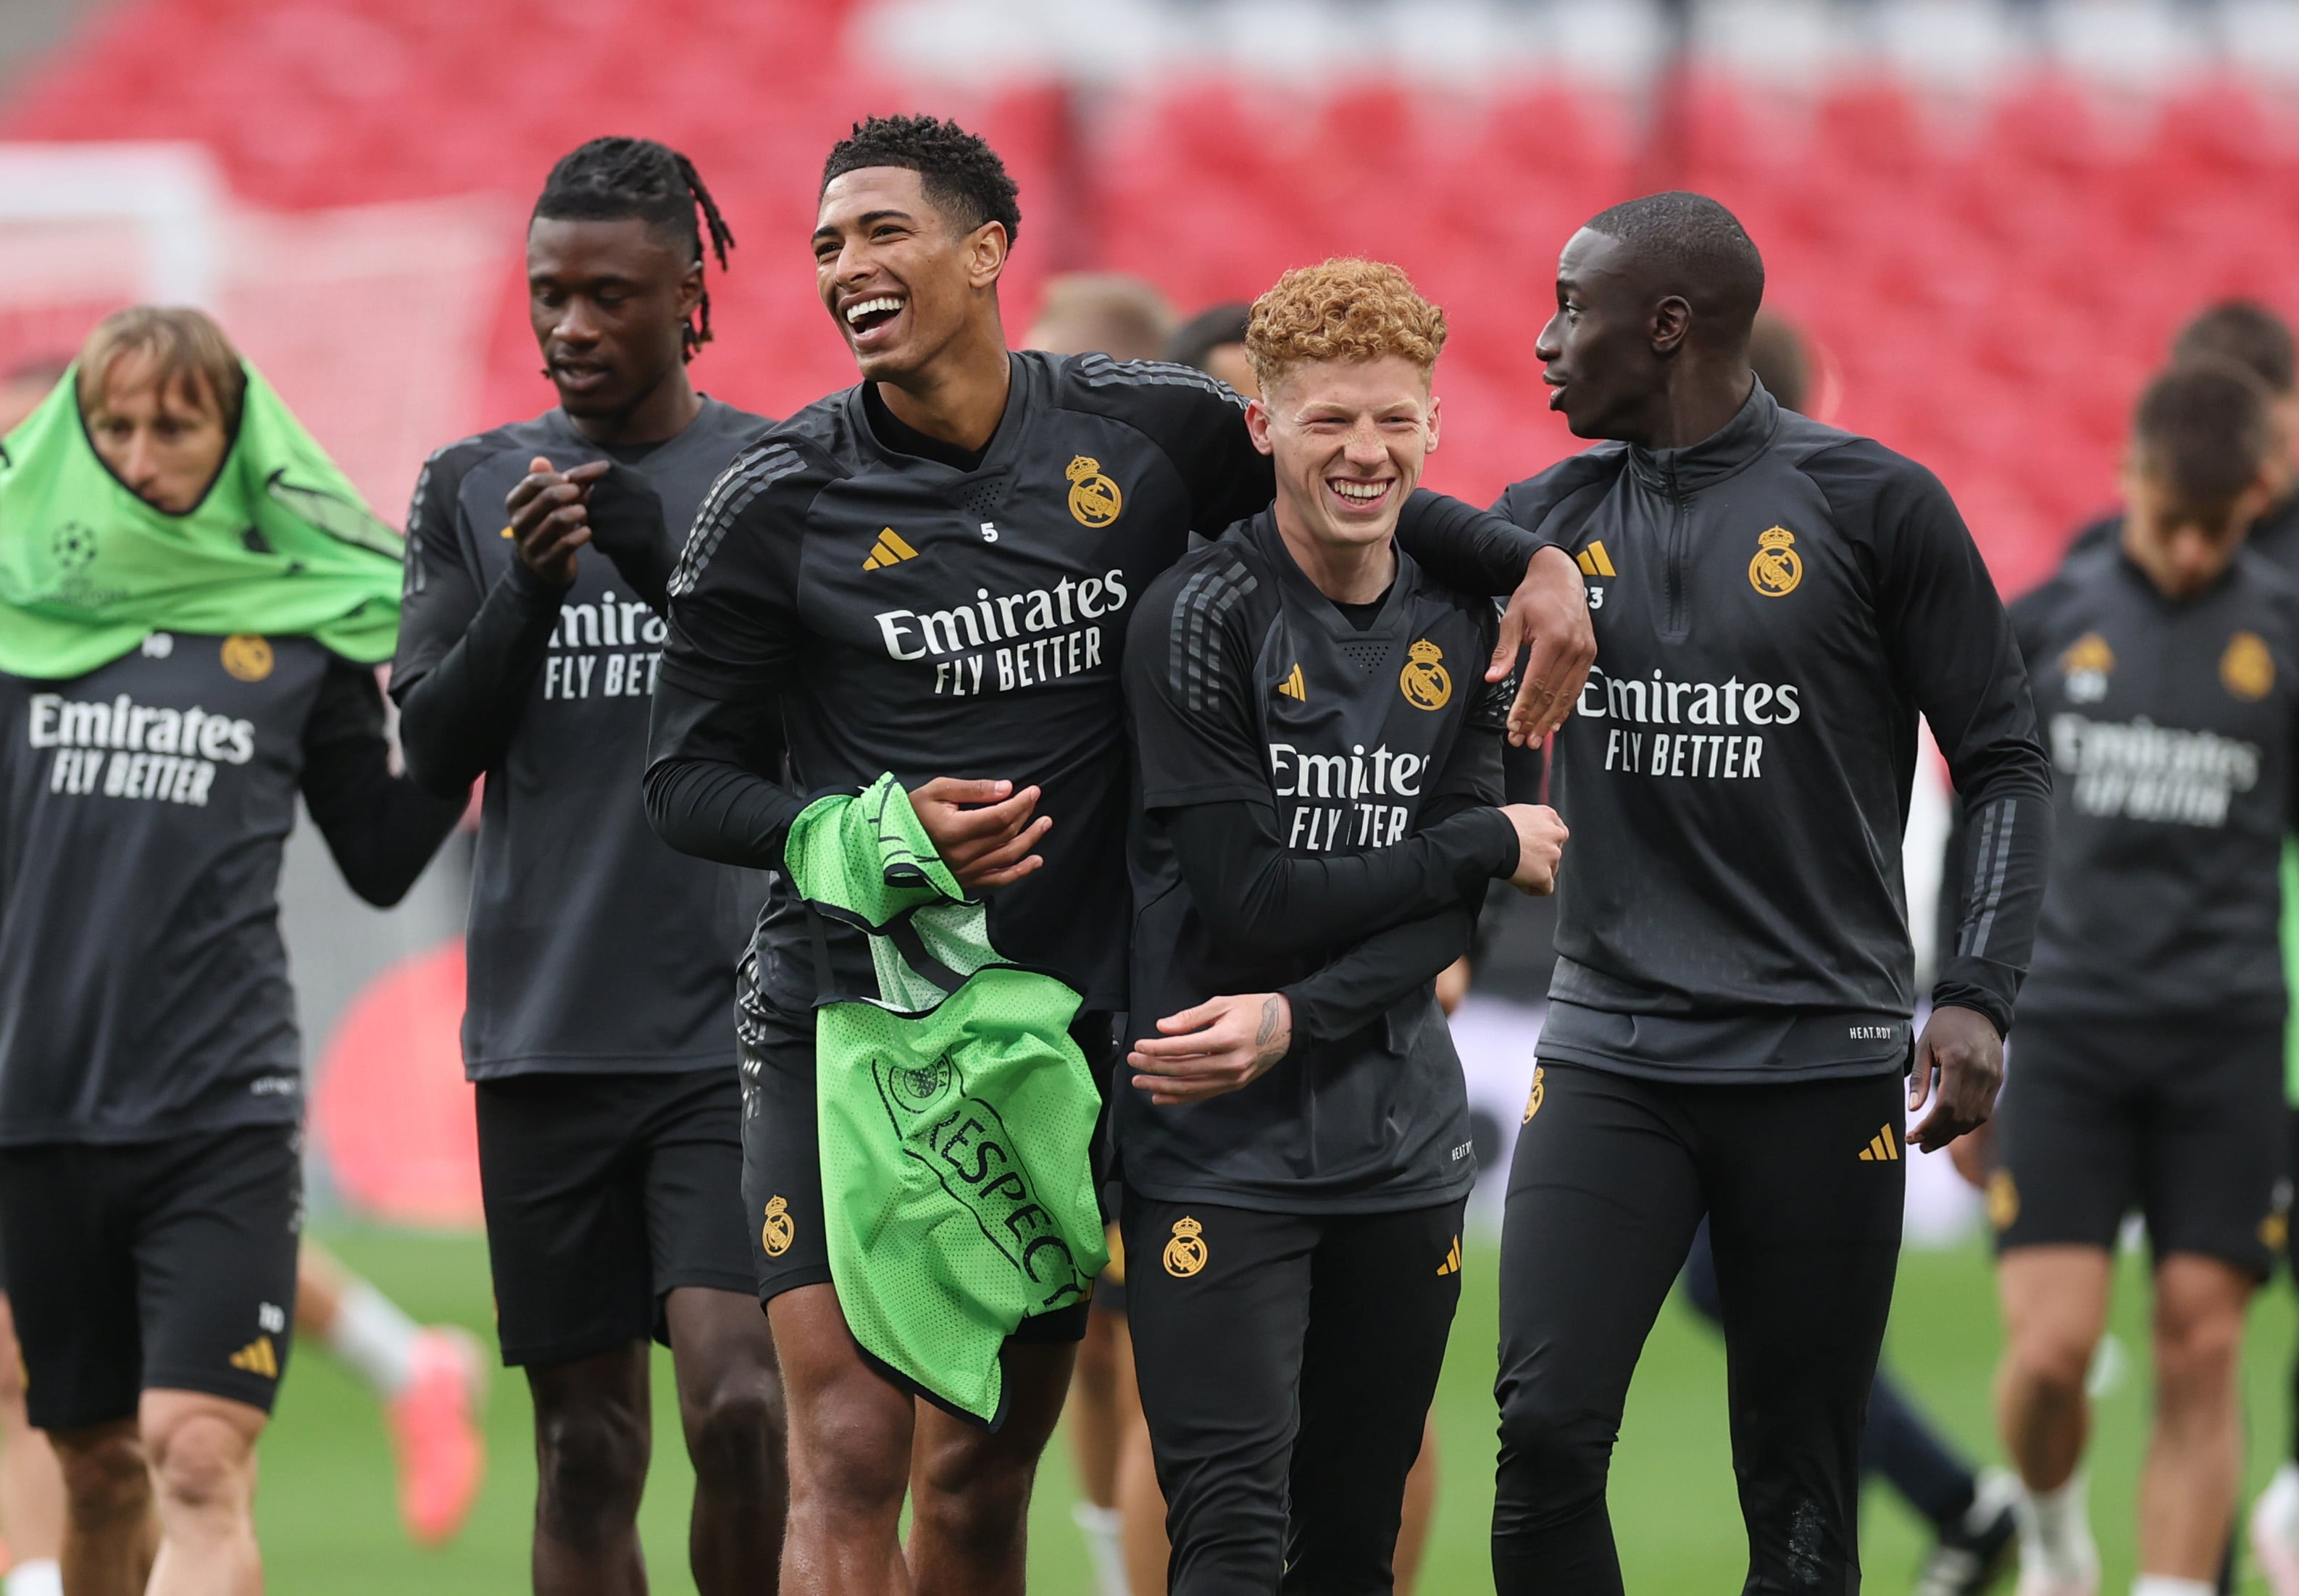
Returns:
<point x="104" y="1475"/>
<point x="977" y="1507"/>
<point x="2050" y="1359"/>
<point x="849" y="1453"/>
<point x="734" y="1427"/>
<point x="591" y="1466"/>
<point x="1552" y="1450"/>
<point x="205" y="1465"/>
<point x="2197" y="1350"/>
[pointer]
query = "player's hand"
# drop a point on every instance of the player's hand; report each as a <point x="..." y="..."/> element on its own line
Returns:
<point x="1539" y="844"/>
<point x="1974" y="1153"/>
<point x="1963" y="1047"/>
<point x="1550" y="611"/>
<point x="1223" y="1044"/>
<point x="983" y="830"/>
<point x="550" y="516"/>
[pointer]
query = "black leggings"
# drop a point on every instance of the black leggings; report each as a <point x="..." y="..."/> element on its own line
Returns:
<point x="1899" y="1443"/>
<point x="1611" y="1176"/>
<point x="1286" y="1364"/>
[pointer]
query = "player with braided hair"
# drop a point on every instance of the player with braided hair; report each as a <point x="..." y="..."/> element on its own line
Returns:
<point x="595" y="1029"/>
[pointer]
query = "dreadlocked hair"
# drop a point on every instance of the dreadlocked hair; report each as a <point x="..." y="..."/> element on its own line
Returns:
<point x="611" y="179"/>
<point x="958" y="170"/>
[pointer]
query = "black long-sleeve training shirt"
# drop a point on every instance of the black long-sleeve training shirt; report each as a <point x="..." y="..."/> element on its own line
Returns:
<point x="1774" y="605"/>
<point x="1278" y="736"/>
<point x="593" y="948"/>
<point x="143" y="808"/>
<point x="2171" y="727"/>
<point x="846" y="608"/>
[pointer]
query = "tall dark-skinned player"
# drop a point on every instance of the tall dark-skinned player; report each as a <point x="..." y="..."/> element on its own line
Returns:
<point x="1729" y="1022"/>
<point x="608" y="1105"/>
<point x="931" y="574"/>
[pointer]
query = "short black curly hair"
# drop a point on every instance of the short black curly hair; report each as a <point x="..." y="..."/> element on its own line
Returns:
<point x="959" y="170"/>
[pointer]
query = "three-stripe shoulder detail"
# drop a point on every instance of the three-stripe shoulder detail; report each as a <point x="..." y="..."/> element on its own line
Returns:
<point x="1100" y="371"/>
<point x="1195" y="665"/>
<point x="752" y="473"/>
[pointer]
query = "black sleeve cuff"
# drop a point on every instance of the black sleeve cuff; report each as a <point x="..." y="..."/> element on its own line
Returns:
<point x="1963" y="994"/>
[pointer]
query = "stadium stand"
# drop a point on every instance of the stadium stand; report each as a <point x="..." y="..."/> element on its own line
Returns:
<point x="1948" y="254"/>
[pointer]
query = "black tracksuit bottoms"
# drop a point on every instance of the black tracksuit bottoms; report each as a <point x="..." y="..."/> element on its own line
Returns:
<point x="1286" y="1363"/>
<point x="1611" y="1176"/>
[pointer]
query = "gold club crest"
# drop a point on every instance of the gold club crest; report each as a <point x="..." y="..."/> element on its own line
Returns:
<point x="779" y="1231"/>
<point x="1185" y="1253"/>
<point x="1425" y="683"/>
<point x="2247" y="670"/>
<point x="1540" y="1090"/>
<point x="1777" y="567"/>
<point x="1094" y="499"/>
<point x="2086" y="667"/>
<point x="2003" y="1199"/>
<point x="247" y="657"/>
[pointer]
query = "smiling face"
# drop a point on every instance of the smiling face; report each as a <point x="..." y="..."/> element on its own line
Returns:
<point x="1599" y="352"/>
<point x="901" y="277"/>
<point x="608" y="300"/>
<point x="165" y="440"/>
<point x="1349" y="439"/>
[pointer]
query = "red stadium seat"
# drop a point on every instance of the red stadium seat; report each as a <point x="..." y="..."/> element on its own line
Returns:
<point x="1994" y="284"/>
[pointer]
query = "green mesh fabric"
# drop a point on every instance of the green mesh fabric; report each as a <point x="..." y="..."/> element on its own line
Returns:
<point x="281" y="544"/>
<point x="2291" y="967"/>
<point x="956" y="1128"/>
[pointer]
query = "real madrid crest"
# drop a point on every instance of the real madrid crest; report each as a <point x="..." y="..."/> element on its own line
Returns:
<point x="2086" y="667"/>
<point x="1777" y="567"/>
<point x="1425" y="683"/>
<point x="1094" y="499"/>
<point x="1185" y="1251"/>
<point x="247" y="657"/>
<point x="778" y="1232"/>
<point x="2247" y="670"/>
<point x="1540" y="1090"/>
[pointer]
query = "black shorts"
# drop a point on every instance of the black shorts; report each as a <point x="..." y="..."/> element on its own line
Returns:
<point x="1286" y="1363"/>
<point x="2181" y="1122"/>
<point x="604" y="1194"/>
<point x="166" y="1266"/>
<point x="782" y="1152"/>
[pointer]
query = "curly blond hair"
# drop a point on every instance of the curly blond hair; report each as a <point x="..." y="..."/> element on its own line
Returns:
<point x="1341" y="309"/>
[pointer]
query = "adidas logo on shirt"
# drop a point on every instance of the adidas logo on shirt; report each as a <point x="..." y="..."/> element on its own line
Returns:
<point x="1594" y="561"/>
<point x="890" y="550"/>
<point x="1293" y="686"/>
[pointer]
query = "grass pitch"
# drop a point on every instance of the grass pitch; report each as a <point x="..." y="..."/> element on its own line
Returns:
<point x="329" y="1523"/>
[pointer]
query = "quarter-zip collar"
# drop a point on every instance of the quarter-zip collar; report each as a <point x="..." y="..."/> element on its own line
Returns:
<point x="1677" y="472"/>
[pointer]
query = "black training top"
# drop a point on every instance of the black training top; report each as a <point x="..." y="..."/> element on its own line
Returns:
<point x="2170" y="724"/>
<point x="887" y="611"/>
<point x="144" y="807"/>
<point x="1773" y="607"/>
<point x="1338" y="745"/>
<point x="593" y="947"/>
